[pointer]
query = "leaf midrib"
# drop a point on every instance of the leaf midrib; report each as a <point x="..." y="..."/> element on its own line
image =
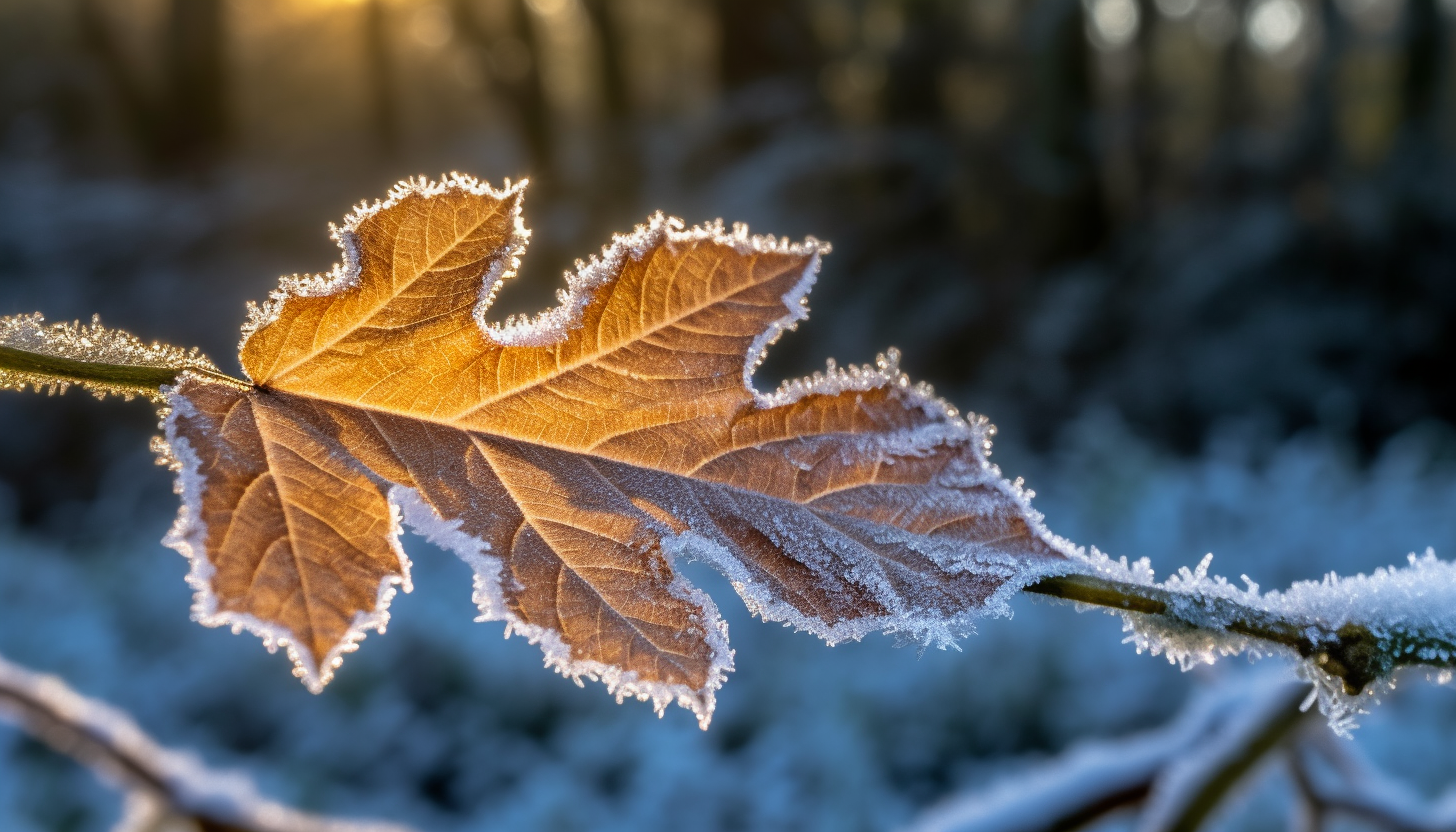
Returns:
<point x="585" y="359"/>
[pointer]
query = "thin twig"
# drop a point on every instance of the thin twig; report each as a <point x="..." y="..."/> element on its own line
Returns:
<point x="145" y="380"/>
<point x="175" y="783"/>
<point x="1358" y="789"/>
<point x="1308" y="812"/>
<point x="1190" y="789"/>
<point x="1094" y="780"/>
<point x="1350" y="652"/>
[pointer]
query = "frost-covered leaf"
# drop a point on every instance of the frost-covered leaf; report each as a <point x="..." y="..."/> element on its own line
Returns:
<point x="572" y="458"/>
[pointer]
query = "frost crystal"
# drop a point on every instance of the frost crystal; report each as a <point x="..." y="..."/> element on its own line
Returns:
<point x="163" y="783"/>
<point x="90" y="343"/>
<point x="1409" y="613"/>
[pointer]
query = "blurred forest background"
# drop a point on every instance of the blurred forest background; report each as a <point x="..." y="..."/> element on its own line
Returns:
<point x="1196" y="259"/>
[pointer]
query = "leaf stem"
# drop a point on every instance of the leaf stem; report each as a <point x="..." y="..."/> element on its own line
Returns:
<point x="144" y="379"/>
<point x="1351" y="651"/>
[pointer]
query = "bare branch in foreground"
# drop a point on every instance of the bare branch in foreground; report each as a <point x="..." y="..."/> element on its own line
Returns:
<point x="162" y="784"/>
<point x="1226" y="728"/>
<point x="1350" y="633"/>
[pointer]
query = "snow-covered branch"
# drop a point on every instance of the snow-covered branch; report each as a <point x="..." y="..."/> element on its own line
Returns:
<point x="161" y="783"/>
<point x="1338" y="780"/>
<point x="1180" y="771"/>
<point x="102" y="360"/>
<point x="1350" y="634"/>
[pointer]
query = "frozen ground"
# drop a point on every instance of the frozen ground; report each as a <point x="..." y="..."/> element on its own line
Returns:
<point x="442" y="724"/>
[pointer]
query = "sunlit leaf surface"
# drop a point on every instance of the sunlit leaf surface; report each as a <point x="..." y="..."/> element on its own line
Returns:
<point x="575" y="458"/>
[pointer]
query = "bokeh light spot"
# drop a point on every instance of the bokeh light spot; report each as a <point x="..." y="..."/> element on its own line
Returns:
<point x="1112" y="24"/>
<point x="1275" y="25"/>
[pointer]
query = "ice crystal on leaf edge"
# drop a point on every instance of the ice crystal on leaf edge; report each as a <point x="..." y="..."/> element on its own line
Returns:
<point x="551" y="326"/>
<point x="1387" y="602"/>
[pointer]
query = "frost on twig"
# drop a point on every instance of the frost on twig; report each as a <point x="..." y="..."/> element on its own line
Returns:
<point x="1349" y="635"/>
<point x="53" y="357"/>
<point x="162" y="784"/>
<point x="1179" y="771"/>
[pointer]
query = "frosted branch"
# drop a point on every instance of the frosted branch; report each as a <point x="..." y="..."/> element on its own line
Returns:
<point x="1350" y="634"/>
<point x="1191" y="763"/>
<point x="1349" y="785"/>
<point x="105" y="361"/>
<point x="161" y="783"/>
<point x="1195" y="784"/>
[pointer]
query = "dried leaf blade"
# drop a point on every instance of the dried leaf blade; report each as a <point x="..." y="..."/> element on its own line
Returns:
<point x="572" y="458"/>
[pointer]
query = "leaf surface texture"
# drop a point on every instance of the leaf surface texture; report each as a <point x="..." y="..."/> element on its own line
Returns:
<point x="575" y="459"/>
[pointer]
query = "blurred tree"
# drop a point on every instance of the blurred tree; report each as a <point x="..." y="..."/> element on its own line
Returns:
<point x="195" y="73"/>
<point x="618" y="182"/>
<point x="506" y="46"/>
<point x="1425" y="35"/>
<point x="379" y="64"/>
<point x="764" y="40"/>
<point x="183" y="124"/>
<point x="1065" y="216"/>
<point x="1074" y="219"/>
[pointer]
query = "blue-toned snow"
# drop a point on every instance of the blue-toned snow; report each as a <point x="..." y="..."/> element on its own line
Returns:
<point x="443" y="724"/>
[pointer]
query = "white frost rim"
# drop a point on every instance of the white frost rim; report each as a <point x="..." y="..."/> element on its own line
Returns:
<point x="489" y="598"/>
<point x="188" y="536"/>
<point x="947" y="426"/>
<point x="345" y="274"/>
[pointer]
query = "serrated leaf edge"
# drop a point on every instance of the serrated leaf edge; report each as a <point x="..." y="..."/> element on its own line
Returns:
<point x="188" y="536"/>
<point x="346" y="273"/>
<point x="489" y="598"/>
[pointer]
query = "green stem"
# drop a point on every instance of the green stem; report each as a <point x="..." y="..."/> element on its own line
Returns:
<point x="1350" y="652"/>
<point x="145" y="380"/>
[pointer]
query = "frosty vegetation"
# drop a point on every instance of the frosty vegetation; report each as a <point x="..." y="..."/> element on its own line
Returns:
<point x="103" y="361"/>
<point x="1176" y="777"/>
<point x="845" y="503"/>
<point x="164" y="788"/>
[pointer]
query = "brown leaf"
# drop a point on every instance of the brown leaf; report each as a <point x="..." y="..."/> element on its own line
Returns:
<point x="574" y="458"/>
